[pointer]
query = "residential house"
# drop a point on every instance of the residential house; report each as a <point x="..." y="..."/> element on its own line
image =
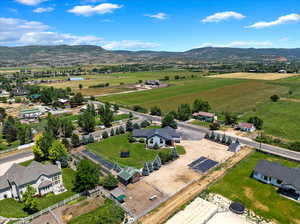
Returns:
<point x="152" y="82"/>
<point x="285" y="178"/>
<point x="205" y="116"/>
<point x="158" y="137"/>
<point x="43" y="178"/>
<point x="129" y="175"/>
<point x="31" y="113"/>
<point x="19" y="91"/>
<point x="247" y="127"/>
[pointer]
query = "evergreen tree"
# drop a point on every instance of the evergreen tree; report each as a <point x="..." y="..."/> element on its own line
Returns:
<point x="146" y="170"/>
<point x="112" y="132"/>
<point x="150" y="166"/>
<point x="184" y="112"/>
<point x="168" y="120"/>
<point x="9" y="130"/>
<point x="129" y="126"/>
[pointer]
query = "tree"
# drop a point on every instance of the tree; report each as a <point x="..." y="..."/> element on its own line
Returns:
<point x="200" y="105"/>
<point x="183" y="112"/>
<point x="168" y="120"/>
<point x="24" y="133"/>
<point x="53" y="124"/>
<point x="77" y="99"/>
<point x="107" y="115"/>
<point x="230" y="118"/>
<point x="155" y="111"/>
<point x="80" y="86"/>
<point x="2" y="114"/>
<point x="30" y="203"/>
<point x="66" y="143"/>
<point x="116" y="108"/>
<point x="87" y="122"/>
<point x="129" y="126"/>
<point x="110" y="182"/>
<point x="275" y="98"/>
<point x="87" y="176"/>
<point x="105" y="134"/>
<point x="9" y="130"/>
<point x="136" y="126"/>
<point x="130" y="115"/>
<point x="214" y="126"/>
<point x="257" y="122"/>
<point x="42" y="146"/>
<point x="112" y="132"/>
<point x="75" y="140"/>
<point x="91" y="109"/>
<point x="145" y="124"/>
<point x="121" y="130"/>
<point x="67" y="128"/>
<point x="57" y="151"/>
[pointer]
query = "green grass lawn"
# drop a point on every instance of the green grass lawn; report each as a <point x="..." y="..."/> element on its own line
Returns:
<point x="281" y="119"/>
<point x="110" y="149"/>
<point x="223" y="94"/>
<point x="263" y="199"/>
<point x="108" y="213"/>
<point x="12" y="208"/>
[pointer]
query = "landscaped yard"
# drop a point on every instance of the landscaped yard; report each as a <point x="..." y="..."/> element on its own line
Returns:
<point x="263" y="199"/>
<point x="109" y="213"/>
<point x="111" y="148"/>
<point x="12" y="208"/>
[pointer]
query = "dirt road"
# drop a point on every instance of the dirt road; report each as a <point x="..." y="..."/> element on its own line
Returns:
<point x="167" y="209"/>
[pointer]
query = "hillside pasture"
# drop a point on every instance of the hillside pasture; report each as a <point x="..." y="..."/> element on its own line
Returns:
<point x="237" y="95"/>
<point x="258" y="76"/>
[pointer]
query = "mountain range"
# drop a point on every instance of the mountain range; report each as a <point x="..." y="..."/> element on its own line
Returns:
<point x="65" y="55"/>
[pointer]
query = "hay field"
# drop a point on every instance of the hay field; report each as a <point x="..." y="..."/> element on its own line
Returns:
<point x="259" y="76"/>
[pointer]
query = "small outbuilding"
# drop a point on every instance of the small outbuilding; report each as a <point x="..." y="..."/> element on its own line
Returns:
<point x="205" y="116"/>
<point x="129" y="175"/>
<point x="118" y="194"/>
<point x="247" y="127"/>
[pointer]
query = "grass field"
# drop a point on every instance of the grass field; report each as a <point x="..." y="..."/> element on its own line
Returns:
<point x="12" y="208"/>
<point x="281" y="119"/>
<point x="259" y="76"/>
<point x="110" y="149"/>
<point x="263" y="199"/>
<point x="223" y="94"/>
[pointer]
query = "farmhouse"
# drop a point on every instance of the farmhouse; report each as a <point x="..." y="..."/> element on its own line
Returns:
<point x="129" y="175"/>
<point x="285" y="178"/>
<point x="43" y="178"/>
<point x="205" y="116"/>
<point x="158" y="138"/>
<point x="247" y="127"/>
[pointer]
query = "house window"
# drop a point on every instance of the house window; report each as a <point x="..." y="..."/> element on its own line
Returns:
<point x="5" y="196"/>
<point x="266" y="178"/>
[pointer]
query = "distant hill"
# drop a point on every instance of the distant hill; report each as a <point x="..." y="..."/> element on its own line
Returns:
<point x="64" y="55"/>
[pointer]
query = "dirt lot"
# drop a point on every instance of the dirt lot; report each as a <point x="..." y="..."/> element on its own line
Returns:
<point x="260" y="76"/>
<point x="177" y="174"/>
<point x="167" y="209"/>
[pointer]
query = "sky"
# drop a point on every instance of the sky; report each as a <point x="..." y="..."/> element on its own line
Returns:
<point x="162" y="25"/>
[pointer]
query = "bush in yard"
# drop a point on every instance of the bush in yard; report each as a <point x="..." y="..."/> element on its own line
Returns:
<point x="121" y="130"/>
<point x="105" y="135"/>
<point x="214" y="126"/>
<point x="136" y="126"/>
<point x="155" y="111"/>
<point x="295" y="146"/>
<point x="275" y="98"/>
<point x="75" y="140"/>
<point x="117" y="132"/>
<point x="165" y="156"/>
<point x="112" y="132"/>
<point x="87" y="176"/>
<point x="110" y="182"/>
<point x="129" y="126"/>
<point x="145" y="124"/>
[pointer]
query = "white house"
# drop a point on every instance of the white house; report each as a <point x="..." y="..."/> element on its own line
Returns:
<point x="285" y="178"/>
<point x="158" y="137"/>
<point x="247" y="127"/>
<point x="31" y="113"/>
<point x="43" y="178"/>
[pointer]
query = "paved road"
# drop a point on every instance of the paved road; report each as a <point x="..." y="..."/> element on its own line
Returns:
<point x="15" y="157"/>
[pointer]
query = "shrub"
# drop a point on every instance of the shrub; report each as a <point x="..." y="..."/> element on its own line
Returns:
<point x="145" y="124"/>
<point x="104" y="135"/>
<point x="275" y="98"/>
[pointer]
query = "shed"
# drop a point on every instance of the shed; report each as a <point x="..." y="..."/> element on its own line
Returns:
<point x="118" y="194"/>
<point x="129" y="175"/>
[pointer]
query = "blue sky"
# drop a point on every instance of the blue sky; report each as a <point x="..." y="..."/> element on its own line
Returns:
<point x="170" y="25"/>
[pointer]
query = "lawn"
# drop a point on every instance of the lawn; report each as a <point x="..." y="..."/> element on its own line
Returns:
<point x="110" y="149"/>
<point x="223" y="94"/>
<point x="260" y="76"/>
<point x="263" y="199"/>
<point x="281" y="119"/>
<point x="12" y="208"/>
<point x="108" y="213"/>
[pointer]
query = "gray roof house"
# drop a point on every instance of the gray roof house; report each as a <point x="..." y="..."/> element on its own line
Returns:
<point x="287" y="179"/>
<point x="161" y="137"/>
<point x="43" y="178"/>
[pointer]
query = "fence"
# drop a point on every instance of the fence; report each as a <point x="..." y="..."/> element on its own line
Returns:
<point x="46" y="210"/>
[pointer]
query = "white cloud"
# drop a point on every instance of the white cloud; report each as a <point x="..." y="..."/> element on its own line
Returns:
<point x="31" y="2"/>
<point x="284" y="39"/>
<point x="129" y="45"/>
<point x="280" y="20"/>
<point x="42" y="10"/>
<point x="18" y="32"/>
<point x="239" y="44"/>
<point x="88" y="10"/>
<point x="220" y="16"/>
<point x="160" y="16"/>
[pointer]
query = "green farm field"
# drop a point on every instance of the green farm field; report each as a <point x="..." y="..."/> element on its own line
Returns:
<point x="263" y="199"/>
<point x="237" y="95"/>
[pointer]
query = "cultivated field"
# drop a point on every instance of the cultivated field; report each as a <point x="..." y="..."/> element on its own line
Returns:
<point x="223" y="94"/>
<point x="260" y="76"/>
<point x="263" y="199"/>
